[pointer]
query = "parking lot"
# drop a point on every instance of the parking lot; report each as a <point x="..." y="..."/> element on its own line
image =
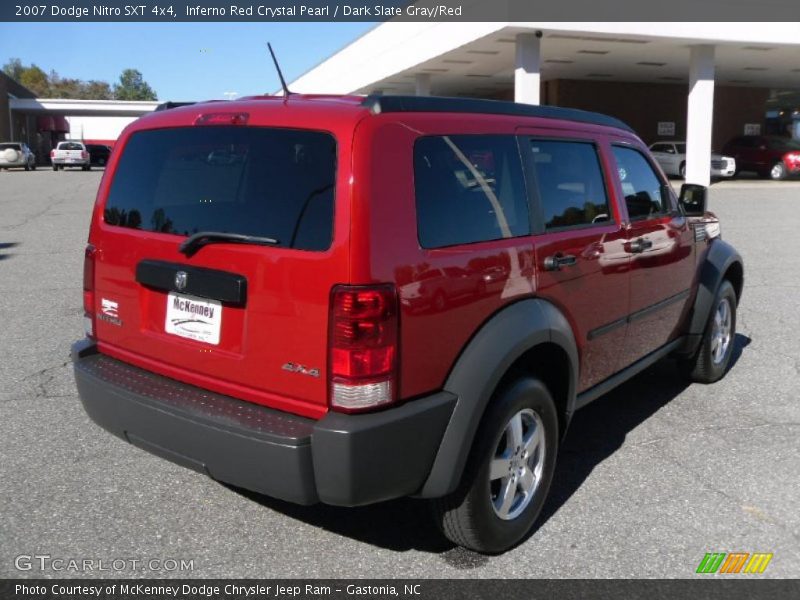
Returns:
<point x="651" y="477"/>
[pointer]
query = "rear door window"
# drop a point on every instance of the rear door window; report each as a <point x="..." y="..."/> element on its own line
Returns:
<point x="569" y="179"/>
<point x="276" y="183"/>
<point x="469" y="188"/>
<point x="643" y="189"/>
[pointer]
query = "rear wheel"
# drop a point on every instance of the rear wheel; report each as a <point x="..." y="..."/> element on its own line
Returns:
<point x="55" y="167"/>
<point x="508" y="472"/>
<point x="87" y="167"/>
<point x="778" y="171"/>
<point x="716" y="348"/>
<point x="682" y="170"/>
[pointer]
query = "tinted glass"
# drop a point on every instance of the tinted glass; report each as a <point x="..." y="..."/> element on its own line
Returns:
<point x="10" y="147"/>
<point x="641" y="186"/>
<point x="782" y="144"/>
<point x="70" y="146"/>
<point x="276" y="183"/>
<point x="570" y="182"/>
<point x="681" y="148"/>
<point x="662" y="148"/>
<point x="468" y="189"/>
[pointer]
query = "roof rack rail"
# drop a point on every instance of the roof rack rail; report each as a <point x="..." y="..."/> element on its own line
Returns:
<point x="169" y="104"/>
<point x="386" y="104"/>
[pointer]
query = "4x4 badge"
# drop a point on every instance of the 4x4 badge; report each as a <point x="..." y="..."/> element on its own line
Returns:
<point x="181" y="279"/>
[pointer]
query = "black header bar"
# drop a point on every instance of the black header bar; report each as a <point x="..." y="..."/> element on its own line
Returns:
<point x="171" y="11"/>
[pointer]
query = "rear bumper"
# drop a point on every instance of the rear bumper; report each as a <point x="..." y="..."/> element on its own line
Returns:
<point x="345" y="460"/>
<point x="67" y="162"/>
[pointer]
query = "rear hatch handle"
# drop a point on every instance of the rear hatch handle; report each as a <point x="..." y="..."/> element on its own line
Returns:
<point x="202" y="238"/>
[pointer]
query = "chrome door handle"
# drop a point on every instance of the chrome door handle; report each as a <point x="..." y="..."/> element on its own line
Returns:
<point x="558" y="260"/>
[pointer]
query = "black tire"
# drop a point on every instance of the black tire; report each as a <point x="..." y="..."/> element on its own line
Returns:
<point x="682" y="170"/>
<point x="33" y="166"/>
<point x="707" y="366"/>
<point x="468" y="517"/>
<point x="55" y="167"/>
<point x="778" y="171"/>
<point x="87" y="167"/>
<point x="27" y="166"/>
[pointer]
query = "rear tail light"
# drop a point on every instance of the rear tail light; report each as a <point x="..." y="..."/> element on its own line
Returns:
<point x="792" y="158"/>
<point x="52" y="153"/>
<point x="363" y="347"/>
<point x="88" y="290"/>
<point x="84" y="154"/>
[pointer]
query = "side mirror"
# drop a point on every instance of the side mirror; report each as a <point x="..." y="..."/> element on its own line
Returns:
<point x="693" y="199"/>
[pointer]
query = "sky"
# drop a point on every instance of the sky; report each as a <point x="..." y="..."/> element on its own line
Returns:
<point x="180" y="61"/>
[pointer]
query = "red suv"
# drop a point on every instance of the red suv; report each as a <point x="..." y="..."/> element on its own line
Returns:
<point x="769" y="156"/>
<point x="348" y="300"/>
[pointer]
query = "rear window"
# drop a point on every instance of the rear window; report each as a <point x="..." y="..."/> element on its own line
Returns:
<point x="276" y="183"/>
<point x="783" y="144"/>
<point x="70" y="146"/>
<point x="469" y="188"/>
<point x="10" y="147"/>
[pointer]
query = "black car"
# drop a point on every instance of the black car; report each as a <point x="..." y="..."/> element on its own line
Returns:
<point x="98" y="154"/>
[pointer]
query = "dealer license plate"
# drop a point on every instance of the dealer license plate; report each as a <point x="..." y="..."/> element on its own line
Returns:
<point x="195" y="318"/>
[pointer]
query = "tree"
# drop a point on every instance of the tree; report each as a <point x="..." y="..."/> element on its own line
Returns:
<point x="132" y="86"/>
<point x="35" y="80"/>
<point x="13" y="68"/>
<point x="97" y="90"/>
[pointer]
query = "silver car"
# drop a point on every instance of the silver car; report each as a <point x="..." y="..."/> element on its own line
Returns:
<point x="672" y="158"/>
<point x="16" y="155"/>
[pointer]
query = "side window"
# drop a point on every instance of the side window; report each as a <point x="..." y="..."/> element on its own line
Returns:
<point x="570" y="183"/>
<point x="469" y="188"/>
<point x="666" y="148"/>
<point x="643" y="190"/>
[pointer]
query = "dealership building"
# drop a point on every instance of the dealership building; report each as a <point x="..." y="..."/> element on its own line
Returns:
<point x="42" y="122"/>
<point x="700" y="82"/>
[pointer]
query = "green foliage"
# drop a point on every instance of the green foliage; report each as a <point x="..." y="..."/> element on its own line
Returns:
<point x="131" y="84"/>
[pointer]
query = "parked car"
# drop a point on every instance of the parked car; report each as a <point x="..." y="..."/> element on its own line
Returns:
<point x="768" y="156"/>
<point x="252" y="271"/>
<point x="16" y="155"/>
<point x="70" y="154"/>
<point x="98" y="154"/>
<point x="672" y="158"/>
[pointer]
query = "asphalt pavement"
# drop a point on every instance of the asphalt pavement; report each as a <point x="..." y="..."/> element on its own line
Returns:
<point x="650" y="478"/>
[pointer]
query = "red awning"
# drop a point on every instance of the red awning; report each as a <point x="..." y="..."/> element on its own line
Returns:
<point x="45" y="124"/>
<point x="55" y="123"/>
<point x="61" y="125"/>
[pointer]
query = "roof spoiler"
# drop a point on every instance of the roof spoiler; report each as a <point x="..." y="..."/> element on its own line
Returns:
<point x="168" y="105"/>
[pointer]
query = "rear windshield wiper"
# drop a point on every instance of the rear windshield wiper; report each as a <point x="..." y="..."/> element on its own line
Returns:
<point x="202" y="238"/>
